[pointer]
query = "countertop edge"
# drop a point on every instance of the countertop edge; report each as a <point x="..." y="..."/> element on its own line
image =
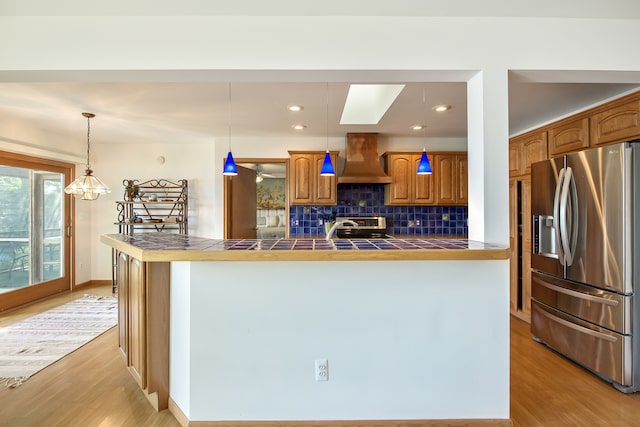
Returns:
<point x="168" y="255"/>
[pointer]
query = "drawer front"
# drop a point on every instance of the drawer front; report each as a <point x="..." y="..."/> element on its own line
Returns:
<point x="602" y="351"/>
<point x="604" y="308"/>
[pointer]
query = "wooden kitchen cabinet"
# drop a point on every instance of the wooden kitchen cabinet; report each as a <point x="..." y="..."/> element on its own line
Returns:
<point x="306" y="186"/>
<point x="569" y="136"/>
<point x="407" y="187"/>
<point x="451" y="174"/>
<point x="616" y="124"/>
<point x="525" y="150"/>
<point x="520" y="243"/>
<point x="143" y="324"/>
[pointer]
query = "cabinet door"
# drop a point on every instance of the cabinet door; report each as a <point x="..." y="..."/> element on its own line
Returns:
<point x="423" y="192"/>
<point x="122" y="279"/>
<point x="137" y="322"/>
<point x="462" y="189"/>
<point x="616" y="125"/>
<point x="325" y="186"/>
<point x="445" y="170"/>
<point x="526" y="246"/>
<point x="302" y="179"/>
<point x="514" y="259"/>
<point x="400" y="168"/>
<point x="569" y="137"/>
<point x="525" y="150"/>
<point x="515" y="158"/>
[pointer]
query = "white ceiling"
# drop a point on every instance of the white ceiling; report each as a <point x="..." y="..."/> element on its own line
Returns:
<point x="603" y="9"/>
<point x="198" y="111"/>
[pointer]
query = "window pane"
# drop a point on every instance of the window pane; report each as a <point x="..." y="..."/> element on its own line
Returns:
<point x="31" y="227"/>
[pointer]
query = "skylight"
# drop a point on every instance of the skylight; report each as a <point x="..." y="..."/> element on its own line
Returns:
<point x="367" y="103"/>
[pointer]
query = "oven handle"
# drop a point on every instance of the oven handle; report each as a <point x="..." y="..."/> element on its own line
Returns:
<point x="579" y="328"/>
<point x="577" y="294"/>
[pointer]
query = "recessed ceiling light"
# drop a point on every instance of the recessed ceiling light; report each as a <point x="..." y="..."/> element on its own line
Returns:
<point x="299" y="127"/>
<point x="440" y="108"/>
<point x="418" y="127"/>
<point x="367" y="103"/>
<point x="295" y="107"/>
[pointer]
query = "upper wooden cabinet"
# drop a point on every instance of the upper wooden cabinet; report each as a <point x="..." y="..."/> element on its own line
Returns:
<point x="525" y="150"/>
<point x="407" y="188"/>
<point x="306" y="186"/>
<point x="451" y="174"/>
<point x="617" y="124"/>
<point x="568" y="137"/>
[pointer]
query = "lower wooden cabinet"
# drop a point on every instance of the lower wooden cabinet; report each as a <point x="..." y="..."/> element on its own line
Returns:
<point x="520" y="243"/>
<point x="143" y="324"/>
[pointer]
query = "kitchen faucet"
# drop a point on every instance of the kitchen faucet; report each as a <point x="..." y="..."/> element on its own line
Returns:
<point x="337" y="223"/>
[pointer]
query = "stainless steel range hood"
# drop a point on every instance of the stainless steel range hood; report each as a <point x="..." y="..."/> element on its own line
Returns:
<point x="362" y="165"/>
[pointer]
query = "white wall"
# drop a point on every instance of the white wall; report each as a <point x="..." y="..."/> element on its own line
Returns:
<point x="366" y="44"/>
<point x="403" y="339"/>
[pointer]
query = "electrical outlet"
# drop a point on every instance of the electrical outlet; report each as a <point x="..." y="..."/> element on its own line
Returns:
<point x="417" y="223"/>
<point x="322" y="370"/>
<point x="445" y="217"/>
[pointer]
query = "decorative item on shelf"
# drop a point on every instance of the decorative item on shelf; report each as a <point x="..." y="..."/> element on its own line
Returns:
<point x="87" y="186"/>
<point x="131" y="190"/>
<point x="424" y="167"/>
<point x="153" y="197"/>
<point x="230" y="168"/>
<point x="327" y="166"/>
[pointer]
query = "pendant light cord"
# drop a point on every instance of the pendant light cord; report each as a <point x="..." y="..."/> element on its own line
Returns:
<point x="229" y="141"/>
<point x="88" y="139"/>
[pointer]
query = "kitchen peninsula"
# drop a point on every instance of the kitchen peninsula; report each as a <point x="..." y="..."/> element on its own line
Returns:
<point x="410" y="329"/>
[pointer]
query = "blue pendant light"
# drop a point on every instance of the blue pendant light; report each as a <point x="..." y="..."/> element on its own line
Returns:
<point x="327" y="166"/>
<point x="230" y="168"/>
<point x="424" y="167"/>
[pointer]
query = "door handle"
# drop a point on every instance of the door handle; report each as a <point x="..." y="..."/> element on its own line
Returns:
<point x="556" y="215"/>
<point x="577" y="294"/>
<point x="568" y="216"/>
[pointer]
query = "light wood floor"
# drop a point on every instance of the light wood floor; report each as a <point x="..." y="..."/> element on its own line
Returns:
<point x="91" y="387"/>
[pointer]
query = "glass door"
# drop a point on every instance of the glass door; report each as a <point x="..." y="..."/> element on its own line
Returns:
<point x="34" y="247"/>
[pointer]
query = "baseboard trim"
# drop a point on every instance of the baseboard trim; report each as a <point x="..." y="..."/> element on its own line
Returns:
<point x="91" y="283"/>
<point x="354" y="423"/>
<point x="178" y="414"/>
<point x="184" y="422"/>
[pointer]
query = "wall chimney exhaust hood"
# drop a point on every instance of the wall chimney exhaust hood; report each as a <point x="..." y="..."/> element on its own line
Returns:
<point x="362" y="165"/>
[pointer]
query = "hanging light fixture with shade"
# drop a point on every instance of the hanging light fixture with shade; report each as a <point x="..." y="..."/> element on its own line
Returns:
<point x="87" y="186"/>
<point x="327" y="166"/>
<point x="230" y="168"/>
<point x="424" y="167"/>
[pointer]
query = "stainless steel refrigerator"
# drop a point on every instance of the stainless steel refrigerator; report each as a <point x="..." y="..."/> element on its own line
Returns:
<point x="585" y="260"/>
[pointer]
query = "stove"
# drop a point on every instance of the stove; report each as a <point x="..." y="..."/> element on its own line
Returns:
<point x="369" y="227"/>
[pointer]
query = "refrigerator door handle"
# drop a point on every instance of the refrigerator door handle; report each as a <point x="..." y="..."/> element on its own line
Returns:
<point x="568" y="216"/>
<point x="556" y="215"/>
<point x="580" y="295"/>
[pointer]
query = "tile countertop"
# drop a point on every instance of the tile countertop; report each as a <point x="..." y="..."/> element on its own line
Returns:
<point x="164" y="247"/>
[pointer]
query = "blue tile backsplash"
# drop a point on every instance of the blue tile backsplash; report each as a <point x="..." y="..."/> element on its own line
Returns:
<point x="368" y="200"/>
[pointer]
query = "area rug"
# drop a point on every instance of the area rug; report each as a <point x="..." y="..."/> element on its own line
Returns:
<point x="31" y="345"/>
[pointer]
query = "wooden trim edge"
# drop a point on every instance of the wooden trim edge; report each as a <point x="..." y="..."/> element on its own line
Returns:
<point x="178" y="414"/>
<point x="184" y="422"/>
